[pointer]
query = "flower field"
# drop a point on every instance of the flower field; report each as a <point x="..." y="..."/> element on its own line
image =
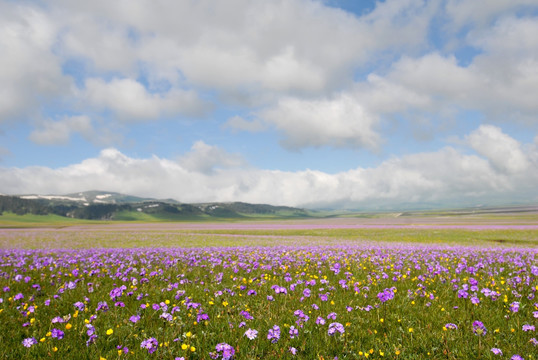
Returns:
<point x="358" y="301"/>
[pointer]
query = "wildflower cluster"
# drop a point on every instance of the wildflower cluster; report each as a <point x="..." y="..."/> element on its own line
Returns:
<point x="302" y="302"/>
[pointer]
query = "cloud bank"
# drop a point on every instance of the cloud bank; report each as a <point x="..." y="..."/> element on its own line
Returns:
<point x="390" y="83"/>
<point x="502" y="166"/>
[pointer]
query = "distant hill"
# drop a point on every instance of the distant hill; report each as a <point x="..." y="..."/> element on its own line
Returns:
<point x="94" y="197"/>
<point x="102" y="205"/>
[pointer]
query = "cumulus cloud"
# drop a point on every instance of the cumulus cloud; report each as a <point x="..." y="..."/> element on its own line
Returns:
<point x="131" y="101"/>
<point x="446" y="176"/>
<point x="339" y="122"/>
<point x="59" y="132"/>
<point x="476" y="12"/>
<point x="502" y="151"/>
<point x="282" y="46"/>
<point x="30" y="73"/>
<point x="206" y="159"/>
<point x="239" y="123"/>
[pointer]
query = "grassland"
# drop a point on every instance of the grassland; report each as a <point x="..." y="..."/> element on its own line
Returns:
<point x="360" y="288"/>
<point x="77" y="238"/>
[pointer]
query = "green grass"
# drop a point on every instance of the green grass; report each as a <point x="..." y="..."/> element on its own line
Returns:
<point x="409" y="326"/>
<point x="90" y="237"/>
<point x="10" y="220"/>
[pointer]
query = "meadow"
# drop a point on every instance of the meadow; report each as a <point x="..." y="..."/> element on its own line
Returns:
<point x="266" y="291"/>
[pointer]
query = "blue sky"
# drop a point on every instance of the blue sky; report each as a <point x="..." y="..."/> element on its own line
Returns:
<point x="334" y="104"/>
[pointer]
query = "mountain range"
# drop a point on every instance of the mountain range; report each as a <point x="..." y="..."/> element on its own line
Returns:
<point x="104" y="205"/>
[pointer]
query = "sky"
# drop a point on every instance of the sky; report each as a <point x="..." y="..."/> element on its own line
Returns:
<point x="343" y="104"/>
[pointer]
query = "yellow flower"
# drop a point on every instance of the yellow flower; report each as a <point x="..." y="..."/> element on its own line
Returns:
<point x="193" y="349"/>
<point x="184" y="346"/>
<point x="109" y="332"/>
<point x="189" y="334"/>
<point x="68" y="326"/>
<point x="224" y="303"/>
<point x="410" y="330"/>
<point x="55" y="349"/>
<point x="101" y="358"/>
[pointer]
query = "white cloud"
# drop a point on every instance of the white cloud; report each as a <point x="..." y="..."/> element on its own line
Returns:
<point x="279" y="46"/>
<point x="131" y="101"/>
<point x="239" y="123"/>
<point x="444" y="177"/>
<point x="59" y="132"/>
<point x="30" y="74"/>
<point x="339" y="122"/>
<point x="479" y="13"/>
<point x="502" y="151"/>
<point x="206" y="159"/>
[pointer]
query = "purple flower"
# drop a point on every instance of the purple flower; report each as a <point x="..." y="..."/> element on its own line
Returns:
<point x="274" y="334"/>
<point x="451" y="326"/>
<point x="202" y="317"/>
<point x="166" y="316"/>
<point x="496" y="351"/>
<point x="479" y="328"/>
<point x="320" y="321"/>
<point x="134" y="318"/>
<point x="292" y="350"/>
<point x="246" y="315"/>
<point x="335" y="327"/>
<point x="386" y="295"/>
<point x="331" y="316"/>
<point x="514" y="307"/>
<point x="79" y="306"/>
<point x="102" y="305"/>
<point x="57" y="319"/>
<point x="29" y="342"/>
<point x="293" y="332"/>
<point x="527" y="327"/>
<point x="251" y="334"/>
<point x="227" y="351"/>
<point x="475" y="300"/>
<point x="517" y="357"/>
<point x="150" y="344"/>
<point x="57" y="334"/>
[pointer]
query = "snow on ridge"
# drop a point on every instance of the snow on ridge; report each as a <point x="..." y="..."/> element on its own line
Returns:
<point x="53" y="197"/>
<point x="104" y="196"/>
